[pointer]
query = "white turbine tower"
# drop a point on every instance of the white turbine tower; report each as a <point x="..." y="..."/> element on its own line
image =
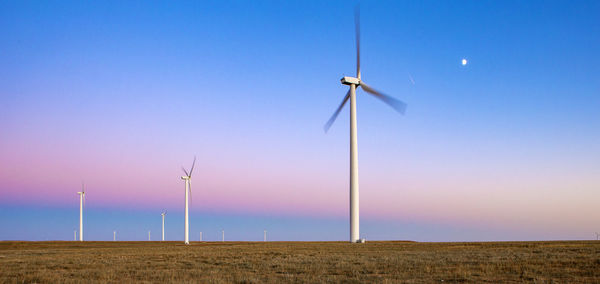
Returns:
<point x="188" y="192"/>
<point x="354" y="83"/>
<point x="200" y="236"/>
<point x="74" y="235"/>
<point x="114" y="236"/>
<point x="81" y="203"/>
<point x="163" y="224"/>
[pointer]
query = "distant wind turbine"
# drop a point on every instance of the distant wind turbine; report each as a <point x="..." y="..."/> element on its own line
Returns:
<point x="148" y="235"/>
<point x="75" y="235"/>
<point x="163" y="224"/>
<point x="354" y="83"/>
<point x="114" y="236"/>
<point x="222" y="235"/>
<point x="200" y="236"/>
<point x="81" y="203"/>
<point x="188" y="191"/>
<point x="597" y="236"/>
<point x="265" y="236"/>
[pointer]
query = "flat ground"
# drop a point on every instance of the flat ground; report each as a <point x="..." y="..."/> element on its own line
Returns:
<point x="381" y="262"/>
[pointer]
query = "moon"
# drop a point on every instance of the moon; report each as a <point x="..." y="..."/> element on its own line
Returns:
<point x="464" y="62"/>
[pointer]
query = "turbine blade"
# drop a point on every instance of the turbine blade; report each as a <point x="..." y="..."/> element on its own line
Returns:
<point x="357" y="30"/>
<point x="336" y="113"/>
<point x="83" y="193"/>
<point x="398" y="105"/>
<point x="193" y="164"/>
<point x="190" y="189"/>
<point x="186" y="173"/>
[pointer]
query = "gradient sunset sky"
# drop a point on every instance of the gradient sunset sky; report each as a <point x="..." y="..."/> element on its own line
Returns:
<point x="121" y="94"/>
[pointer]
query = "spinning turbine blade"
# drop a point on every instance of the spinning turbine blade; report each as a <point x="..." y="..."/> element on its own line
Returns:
<point x="357" y="30"/>
<point x="336" y="113"/>
<point x="192" y="169"/>
<point x="186" y="173"/>
<point x="398" y="105"/>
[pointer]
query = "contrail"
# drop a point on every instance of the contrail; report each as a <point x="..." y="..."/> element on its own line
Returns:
<point x="411" y="79"/>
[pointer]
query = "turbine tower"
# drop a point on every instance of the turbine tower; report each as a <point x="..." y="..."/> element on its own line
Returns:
<point x="354" y="83"/>
<point x="114" y="236"/>
<point x="163" y="224"/>
<point x="81" y="203"/>
<point x="188" y="195"/>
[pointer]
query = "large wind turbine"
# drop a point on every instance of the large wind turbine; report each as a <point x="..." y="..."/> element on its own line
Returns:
<point x="188" y="192"/>
<point x="163" y="224"/>
<point x="81" y="202"/>
<point x="354" y="83"/>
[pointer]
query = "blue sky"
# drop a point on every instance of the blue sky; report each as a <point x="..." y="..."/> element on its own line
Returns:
<point x="121" y="94"/>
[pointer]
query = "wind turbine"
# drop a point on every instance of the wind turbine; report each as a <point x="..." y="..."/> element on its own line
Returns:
<point x="188" y="191"/>
<point x="163" y="231"/>
<point x="81" y="203"/>
<point x="163" y="224"/>
<point x="114" y="236"/>
<point x="354" y="83"/>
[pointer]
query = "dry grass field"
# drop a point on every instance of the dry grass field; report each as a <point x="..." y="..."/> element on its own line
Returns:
<point x="275" y="262"/>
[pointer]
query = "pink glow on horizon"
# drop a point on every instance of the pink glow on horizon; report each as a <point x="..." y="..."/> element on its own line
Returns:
<point x="255" y="180"/>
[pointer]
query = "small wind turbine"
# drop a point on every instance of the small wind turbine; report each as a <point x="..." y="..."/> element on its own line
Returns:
<point x="163" y="224"/>
<point x="597" y="236"/>
<point x="114" y="236"/>
<point x="81" y="203"/>
<point x="222" y="235"/>
<point x="75" y="235"/>
<point x="188" y="191"/>
<point x="354" y="83"/>
<point x="200" y="236"/>
<point x="265" y="236"/>
<point x="148" y="235"/>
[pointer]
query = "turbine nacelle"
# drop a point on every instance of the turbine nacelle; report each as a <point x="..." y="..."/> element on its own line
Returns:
<point x="350" y="81"/>
<point x="185" y="177"/>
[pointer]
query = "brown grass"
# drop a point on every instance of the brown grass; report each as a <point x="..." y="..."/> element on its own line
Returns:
<point x="274" y="262"/>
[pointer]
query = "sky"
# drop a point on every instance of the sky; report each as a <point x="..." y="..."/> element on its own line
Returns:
<point x="120" y="95"/>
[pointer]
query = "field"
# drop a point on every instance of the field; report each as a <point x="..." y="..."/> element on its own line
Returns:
<point x="274" y="262"/>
